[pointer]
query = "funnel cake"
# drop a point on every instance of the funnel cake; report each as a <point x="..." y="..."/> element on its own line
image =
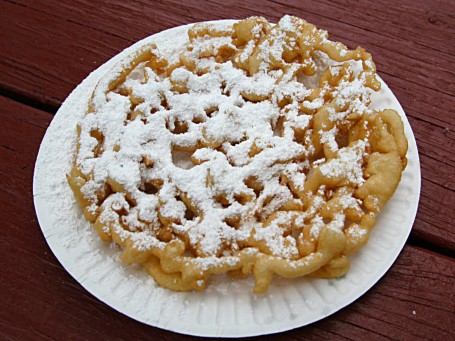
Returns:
<point x="253" y="150"/>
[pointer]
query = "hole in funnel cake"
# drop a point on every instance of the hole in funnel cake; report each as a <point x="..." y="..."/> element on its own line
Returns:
<point x="98" y="135"/>
<point x="211" y="111"/>
<point x="182" y="159"/>
<point x="147" y="161"/>
<point x="255" y="151"/>
<point x="175" y="126"/>
<point x="164" y="103"/>
<point x="222" y="200"/>
<point x="341" y="140"/>
<point x="198" y="120"/>
<point x="189" y="214"/>
<point x="278" y="126"/>
<point x="242" y="198"/>
<point x="224" y="91"/>
<point x="233" y="221"/>
<point x="133" y="113"/>
<point x="152" y="187"/>
<point x="256" y="186"/>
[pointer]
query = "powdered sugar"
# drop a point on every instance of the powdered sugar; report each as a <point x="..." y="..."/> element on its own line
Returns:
<point x="347" y="166"/>
<point x="231" y="119"/>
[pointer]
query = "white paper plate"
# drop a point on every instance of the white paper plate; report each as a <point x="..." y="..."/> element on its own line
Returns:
<point x="228" y="308"/>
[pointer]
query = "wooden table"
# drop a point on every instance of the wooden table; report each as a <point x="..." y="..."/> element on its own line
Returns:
<point x="48" y="47"/>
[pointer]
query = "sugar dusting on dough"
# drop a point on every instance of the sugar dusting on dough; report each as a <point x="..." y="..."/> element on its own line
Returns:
<point x="214" y="108"/>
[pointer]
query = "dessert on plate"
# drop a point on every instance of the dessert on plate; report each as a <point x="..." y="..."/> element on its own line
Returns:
<point x="251" y="151"/>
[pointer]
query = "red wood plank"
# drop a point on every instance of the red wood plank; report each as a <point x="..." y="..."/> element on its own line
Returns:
<point x="41" y="301"/>
<point x="44" y="56"/>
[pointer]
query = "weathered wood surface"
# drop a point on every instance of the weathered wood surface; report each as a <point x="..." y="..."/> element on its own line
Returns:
<point x="48" y="47"/>
<point x="40" y="301"/>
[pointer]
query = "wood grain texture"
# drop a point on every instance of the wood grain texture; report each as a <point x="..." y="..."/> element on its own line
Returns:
<point x="40" y="301"/>
<point x="48" y="47"/>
